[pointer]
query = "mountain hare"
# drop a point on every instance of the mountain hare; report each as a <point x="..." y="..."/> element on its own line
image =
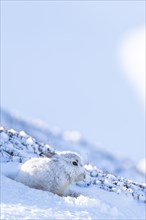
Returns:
<point x="52" y="174"/>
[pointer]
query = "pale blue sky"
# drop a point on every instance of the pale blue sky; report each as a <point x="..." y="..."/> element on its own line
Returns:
<point x="59" y="64"/>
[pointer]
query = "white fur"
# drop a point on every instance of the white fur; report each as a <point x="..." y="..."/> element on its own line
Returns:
<point x="52" y="174"/>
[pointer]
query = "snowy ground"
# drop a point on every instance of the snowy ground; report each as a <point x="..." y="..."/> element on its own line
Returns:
<point x="21" y="202"/>
<point x="101" y="196"/>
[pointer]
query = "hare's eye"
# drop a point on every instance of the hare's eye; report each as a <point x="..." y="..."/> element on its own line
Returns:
<point x="75" y="163"/>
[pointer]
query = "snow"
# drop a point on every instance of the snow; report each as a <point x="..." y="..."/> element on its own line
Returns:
<point x="29" y="141"/>
<point x="4" y="136"/>
<point x="104" y="194"/>
<point x="21" y="202"/>
<point x="23" y="134"/>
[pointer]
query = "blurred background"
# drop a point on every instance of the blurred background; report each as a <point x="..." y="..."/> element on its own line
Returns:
<point x="78" y="66"/>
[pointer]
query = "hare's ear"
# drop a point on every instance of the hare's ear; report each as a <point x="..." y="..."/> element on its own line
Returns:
<point x="48" y="154"/>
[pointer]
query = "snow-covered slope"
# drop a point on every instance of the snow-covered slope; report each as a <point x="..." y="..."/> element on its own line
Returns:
<point x="21" y="202"/>
<point x="102" y="195"/>
<point x="72" y="140"/>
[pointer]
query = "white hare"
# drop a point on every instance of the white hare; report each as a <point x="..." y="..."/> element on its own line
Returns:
<point x="52" y="174"/>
